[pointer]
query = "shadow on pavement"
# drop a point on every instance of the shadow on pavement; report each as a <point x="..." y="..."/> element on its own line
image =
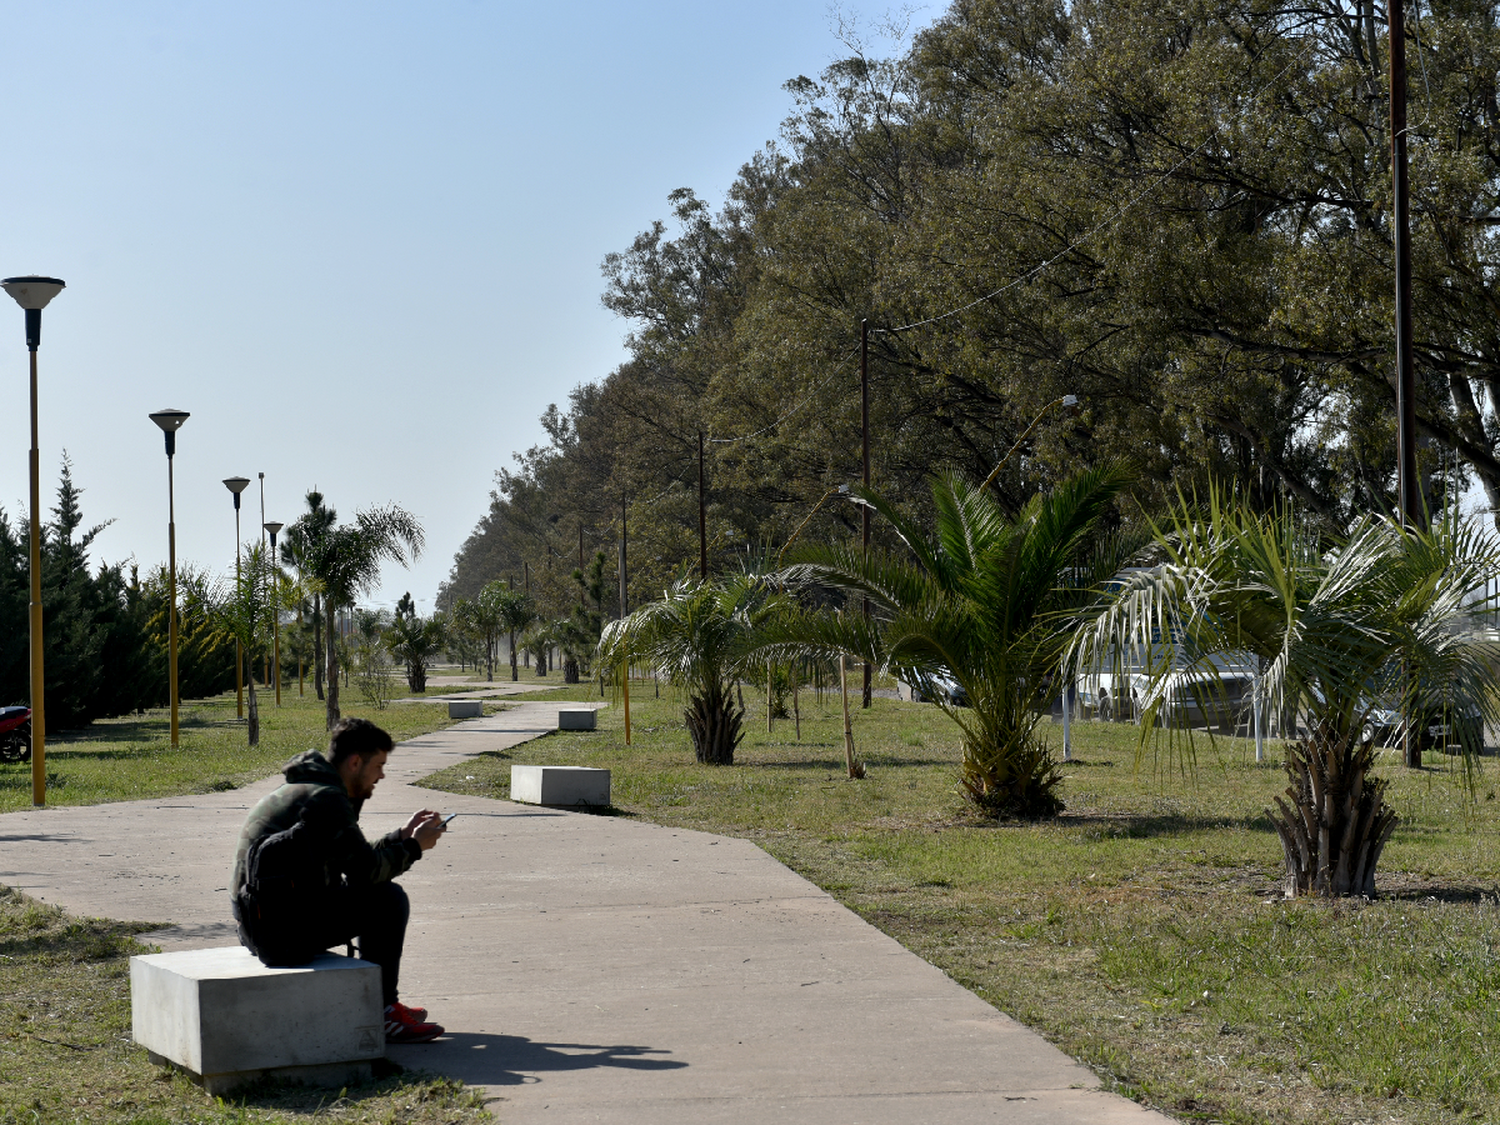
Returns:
<point x="514" y="1060"/>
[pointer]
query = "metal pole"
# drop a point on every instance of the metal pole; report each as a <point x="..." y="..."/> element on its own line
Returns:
<point x="702" y="516"/>
<point x="1408" y="501"/>
<point x="1260" y="738"/>
<point x="624" y="609"/>
<point x="864" y="509"/>
<point x="172" y="597"/>
<point x="38" y="683"/>
<point x="275" y="624"/>
<point x="265" y="666"/>
<point x="1067" y="709"/>
<point x="239" y="648"/>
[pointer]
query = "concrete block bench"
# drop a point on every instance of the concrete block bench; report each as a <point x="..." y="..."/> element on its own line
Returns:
<point x="226" y="1019"/>
<point x="576" y="718"/>
<point x="465" y="708"/>
<point x="560" y="786"/>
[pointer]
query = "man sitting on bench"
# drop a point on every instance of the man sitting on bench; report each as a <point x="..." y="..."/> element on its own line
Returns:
<point x="306" y="879"/>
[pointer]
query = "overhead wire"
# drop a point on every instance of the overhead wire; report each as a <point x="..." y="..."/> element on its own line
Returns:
<point x="1119" y="213"/>
<point x="803" y="402"/>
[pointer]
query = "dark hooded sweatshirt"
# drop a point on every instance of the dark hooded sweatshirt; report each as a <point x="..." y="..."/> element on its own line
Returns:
<point x="315" y="792"/>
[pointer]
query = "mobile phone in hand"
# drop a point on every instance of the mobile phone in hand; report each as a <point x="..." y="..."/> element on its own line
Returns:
<point x="448" y="819"/>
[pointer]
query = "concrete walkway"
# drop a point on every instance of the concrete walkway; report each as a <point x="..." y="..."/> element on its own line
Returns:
<point x="598" y="969"/>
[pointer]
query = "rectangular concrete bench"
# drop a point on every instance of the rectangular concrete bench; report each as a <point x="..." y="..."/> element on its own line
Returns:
<point x="560" y="786"/>
<point x="465" y="708"/>
<point x="576" y="718"/>
<point x="226" y="1019"/>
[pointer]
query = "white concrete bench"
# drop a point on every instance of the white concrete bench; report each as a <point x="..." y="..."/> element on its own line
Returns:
<point x="465" y="708"/>
<point x="226" y="1019"/>
<point x="576" y="718"/>
<point x="560" y="786"/>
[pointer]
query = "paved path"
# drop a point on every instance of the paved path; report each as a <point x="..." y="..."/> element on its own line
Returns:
<point x="599" y="969"/>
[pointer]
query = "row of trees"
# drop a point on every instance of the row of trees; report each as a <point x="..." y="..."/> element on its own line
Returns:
<point x="1012" y="606"/>
<point x="105" y="631"/>
<point x="1176" y="212"/>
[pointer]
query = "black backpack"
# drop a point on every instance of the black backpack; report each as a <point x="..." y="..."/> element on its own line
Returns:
<point x="284" y="878"/>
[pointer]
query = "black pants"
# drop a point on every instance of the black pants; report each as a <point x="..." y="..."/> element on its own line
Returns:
<point x="375" y="916"/>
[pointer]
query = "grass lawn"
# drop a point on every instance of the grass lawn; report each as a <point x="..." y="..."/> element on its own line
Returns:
<point x="1143" y="931"/>
<point x="65" y="1048"/>
<point x="66" y="1055"/>
<point x="131" y="758"/>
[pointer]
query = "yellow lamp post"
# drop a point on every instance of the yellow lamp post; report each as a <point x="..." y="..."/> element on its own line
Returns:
<point x="170" y="422"/>
<point x="273" y="527"/>
<point x="237" y="485"/>
<point x="32" y="294"/>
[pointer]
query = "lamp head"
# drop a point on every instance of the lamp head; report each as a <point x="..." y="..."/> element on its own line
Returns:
<point x="1070" y="404"/>
<point x="32" y="294"/>
<point x="236" y="485"/>
<point x="273" y="527"/>
<point x="170" y="422"/>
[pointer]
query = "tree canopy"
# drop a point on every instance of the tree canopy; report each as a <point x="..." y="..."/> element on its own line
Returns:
<point x="1178" y="212"/>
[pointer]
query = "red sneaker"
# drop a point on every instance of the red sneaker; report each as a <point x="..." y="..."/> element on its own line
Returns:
<point x="402" y="1026"/>
<point x="417" y="1014"/>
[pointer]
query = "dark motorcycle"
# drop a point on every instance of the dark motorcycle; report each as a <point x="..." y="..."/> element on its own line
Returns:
<point x="15" y="734"/>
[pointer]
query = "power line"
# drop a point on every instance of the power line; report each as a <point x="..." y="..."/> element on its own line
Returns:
<point x="1120" y="212"/>
<point x="805" y="400"/>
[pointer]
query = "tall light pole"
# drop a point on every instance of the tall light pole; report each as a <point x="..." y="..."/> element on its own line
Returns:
<point x="266" y="675"/>
<point x="237" y="485"/>
<point x="32" y="294"/>
<point x="864" y="512"/>
<point x="170" y="422"/>
<point x="1408" y="497"/>
<point x="273" y="527"/>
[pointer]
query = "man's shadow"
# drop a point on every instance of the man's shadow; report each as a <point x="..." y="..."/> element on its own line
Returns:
<point x="514" y="1060"/>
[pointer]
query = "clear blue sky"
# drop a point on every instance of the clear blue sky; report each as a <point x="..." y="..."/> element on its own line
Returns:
<point x="360" y="242"/>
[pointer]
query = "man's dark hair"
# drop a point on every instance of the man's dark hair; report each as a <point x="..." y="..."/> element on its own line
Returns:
<point x="357" y="736"/>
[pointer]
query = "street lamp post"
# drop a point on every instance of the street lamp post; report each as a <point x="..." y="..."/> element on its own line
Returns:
<point x="32" y="294"/>
<point x="170" y="422"/>
<point x="237" y="485"/>
<point x="273" y="527"/>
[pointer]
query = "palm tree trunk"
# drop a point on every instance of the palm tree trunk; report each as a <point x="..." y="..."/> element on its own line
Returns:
<point x="715" y="725"/>
<point x="1335" y="822"/>
<point x="333" y="669"/>
<point x="515" y="673"/>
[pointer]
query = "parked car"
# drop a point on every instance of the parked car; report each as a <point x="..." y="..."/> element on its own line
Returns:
<point x="934" y="689"/>
<point x="1216" y="692"/>
<point x="1436" y="726"/>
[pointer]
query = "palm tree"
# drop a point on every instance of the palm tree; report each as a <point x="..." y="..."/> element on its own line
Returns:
<point x="1336" y="628"/>
<point x="245" y="615"/>
<point x="415" y="642"/>
<point x="516" y="614"/>
<point x="345" y="561"/>
<point x="298" y="542"/>
<point x="702" y="636"/>
<point x="486" y="616"/>
<point x="986" y="602"/>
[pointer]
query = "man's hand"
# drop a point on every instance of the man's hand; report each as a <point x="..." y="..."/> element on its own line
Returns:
<point x="426" y="827"/>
